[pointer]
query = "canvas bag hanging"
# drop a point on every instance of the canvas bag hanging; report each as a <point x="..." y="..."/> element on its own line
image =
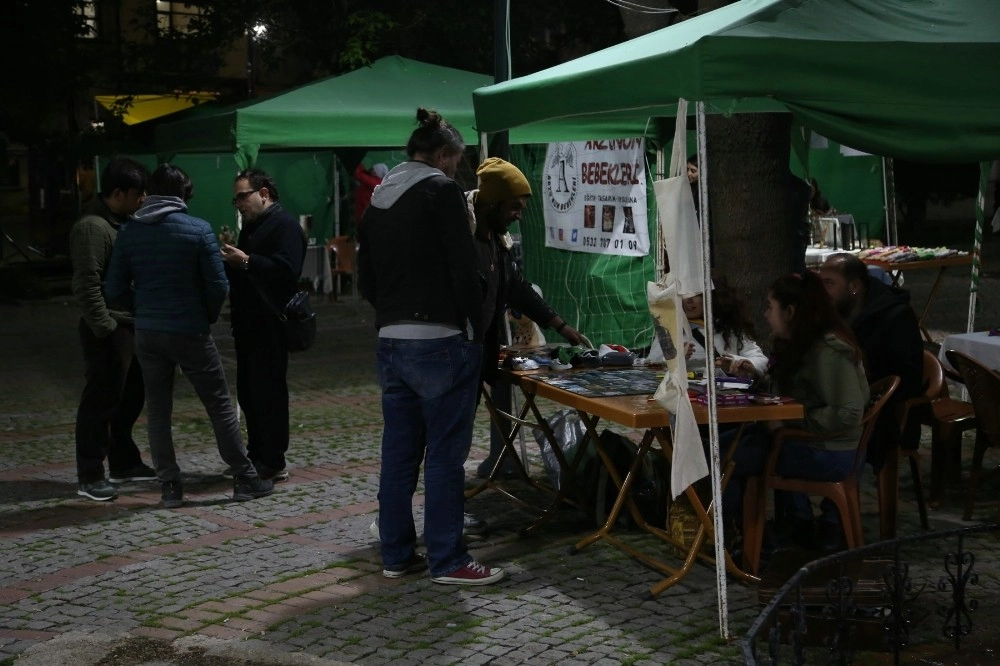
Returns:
<point x="679" y="227"/>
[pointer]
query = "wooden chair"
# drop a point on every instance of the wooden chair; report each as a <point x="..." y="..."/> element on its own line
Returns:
<point x="948" y="418"/>
<point x="843" y="493"/>
<point x="342" y="251"/>
<point x="984" y="390"/>
<point x="888" y="476"/>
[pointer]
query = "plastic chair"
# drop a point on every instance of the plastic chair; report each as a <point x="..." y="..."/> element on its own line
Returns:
<point x="844" y="494"/>
<point x="342" y="251"/>
<point x="888" y="476"/>
<point x="984" y="389"/>
<point x="948" y="418"/>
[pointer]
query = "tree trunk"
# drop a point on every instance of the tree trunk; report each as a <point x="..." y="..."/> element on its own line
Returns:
<point x="751" y="206"/>
<point x="751" y="212"/>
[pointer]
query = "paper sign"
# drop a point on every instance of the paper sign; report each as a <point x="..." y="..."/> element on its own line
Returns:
<point x="594" y="197"/>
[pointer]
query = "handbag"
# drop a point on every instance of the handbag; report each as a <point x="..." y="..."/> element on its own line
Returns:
<point x="297" y="316"/>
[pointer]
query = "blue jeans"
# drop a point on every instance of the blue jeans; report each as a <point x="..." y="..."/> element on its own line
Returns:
<point x="797" y="460"/>
<point x="429" y="391"/>
<point x="160" y="354"/>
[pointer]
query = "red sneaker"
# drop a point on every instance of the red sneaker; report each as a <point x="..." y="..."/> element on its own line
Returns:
<point x="472" y="573"/>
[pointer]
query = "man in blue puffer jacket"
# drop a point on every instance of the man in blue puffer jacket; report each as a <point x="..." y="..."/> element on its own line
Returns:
<point x="180" y="286"/>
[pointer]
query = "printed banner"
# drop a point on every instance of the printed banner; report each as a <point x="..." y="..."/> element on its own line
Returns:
<point x="594" y="197"/>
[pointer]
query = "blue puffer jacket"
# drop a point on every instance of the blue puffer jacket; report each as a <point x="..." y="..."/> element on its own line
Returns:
<point x="174" y="263"/>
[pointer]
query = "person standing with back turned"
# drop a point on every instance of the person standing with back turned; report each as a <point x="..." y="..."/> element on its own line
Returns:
<point x="418" y="268"/>
<point x="113" y="395"/>
<point x="180" y="286"/>
<point x="266" y="259"/>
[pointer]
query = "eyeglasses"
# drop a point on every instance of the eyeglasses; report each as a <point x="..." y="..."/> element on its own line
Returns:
<point x="242" y="196"/>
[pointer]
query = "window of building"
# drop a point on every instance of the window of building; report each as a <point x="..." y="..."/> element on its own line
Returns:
<point x="87" y="9"/>
<point x="175" y="15"/>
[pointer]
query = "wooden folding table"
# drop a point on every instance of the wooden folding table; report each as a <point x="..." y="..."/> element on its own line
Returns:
<point x="640" y="412"/>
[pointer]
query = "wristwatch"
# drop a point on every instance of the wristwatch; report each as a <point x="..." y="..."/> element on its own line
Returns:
<point x="246" y="263"/>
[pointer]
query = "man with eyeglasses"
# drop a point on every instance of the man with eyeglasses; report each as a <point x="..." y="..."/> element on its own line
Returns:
<point x="263" y="269"/>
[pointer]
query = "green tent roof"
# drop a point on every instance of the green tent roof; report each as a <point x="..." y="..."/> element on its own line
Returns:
<point x="904" y="78"/>
<point x="374" y="106"/>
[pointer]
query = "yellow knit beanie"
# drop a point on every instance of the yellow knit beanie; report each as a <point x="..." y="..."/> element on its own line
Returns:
<point x="499" y="180"/>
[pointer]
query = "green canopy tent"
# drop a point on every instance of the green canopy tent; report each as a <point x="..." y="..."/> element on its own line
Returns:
<point x="297" y="135"/>
<point x="370" y="107"/>
<point x="898" y="78"/>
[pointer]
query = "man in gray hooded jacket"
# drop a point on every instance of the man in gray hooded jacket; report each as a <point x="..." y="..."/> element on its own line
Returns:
<point x="180" y="287"/>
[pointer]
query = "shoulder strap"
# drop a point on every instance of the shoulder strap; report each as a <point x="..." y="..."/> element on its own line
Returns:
<point x="264" y="297"/>
<point x="699" y="336"/>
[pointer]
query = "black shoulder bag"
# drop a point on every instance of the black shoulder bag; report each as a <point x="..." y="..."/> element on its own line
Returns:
<point x="297" y="316"/>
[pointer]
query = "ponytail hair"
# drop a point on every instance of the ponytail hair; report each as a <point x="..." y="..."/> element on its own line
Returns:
<point x="433" y="134"/>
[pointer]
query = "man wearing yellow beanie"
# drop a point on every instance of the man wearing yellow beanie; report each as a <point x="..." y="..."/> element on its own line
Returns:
<point x="502" y="196"/>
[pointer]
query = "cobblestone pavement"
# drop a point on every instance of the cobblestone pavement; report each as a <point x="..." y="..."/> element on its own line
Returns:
<point x="298" y="573"/>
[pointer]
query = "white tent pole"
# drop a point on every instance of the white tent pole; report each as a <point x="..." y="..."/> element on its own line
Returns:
<point x="336" y="202"/>
<point x="713" y="414"/>
<point x="977" y="243"/>
<point x="889" y="196"/>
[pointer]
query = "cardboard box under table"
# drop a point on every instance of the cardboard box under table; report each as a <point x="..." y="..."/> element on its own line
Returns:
<point x="639" y="412"/>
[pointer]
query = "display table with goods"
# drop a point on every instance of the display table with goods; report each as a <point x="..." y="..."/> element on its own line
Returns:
<point x="895" y="259"/>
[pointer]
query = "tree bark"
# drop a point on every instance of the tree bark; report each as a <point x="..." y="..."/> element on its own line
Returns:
<point x="751" y="206"/>
<point x="751" y="211"/>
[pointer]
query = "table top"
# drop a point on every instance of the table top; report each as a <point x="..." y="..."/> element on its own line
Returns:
<point x="979" y="345"/>
<point x="960" y="260"/>
<point x="641" y="411"/>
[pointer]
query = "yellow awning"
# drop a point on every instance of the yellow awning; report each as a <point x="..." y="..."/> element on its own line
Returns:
<point x="147" y="107"/>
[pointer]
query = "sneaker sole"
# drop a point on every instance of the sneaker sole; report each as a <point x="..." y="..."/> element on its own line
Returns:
<point x="250" y="496"/>
<point x="487" y="580"/>
<point x="96" y="498"/>
<point x="129" y="479"/>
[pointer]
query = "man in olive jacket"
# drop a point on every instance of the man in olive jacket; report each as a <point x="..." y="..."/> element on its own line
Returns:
<point x="113" y="395"/>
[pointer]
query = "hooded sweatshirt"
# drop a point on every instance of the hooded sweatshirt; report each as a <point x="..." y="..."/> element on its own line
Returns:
<point x="417" y="260"/>
<point x="172" y="261"/>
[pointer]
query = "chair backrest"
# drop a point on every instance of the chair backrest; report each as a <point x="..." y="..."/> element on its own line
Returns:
<point x="984" y="390"/>
<point x="343" y="248"/>
<point x="878" y="395"/>
<point x="933" y="375"/>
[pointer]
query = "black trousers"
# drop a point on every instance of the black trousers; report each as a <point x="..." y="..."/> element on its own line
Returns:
<point x="262" y="386"/>
<point x="113" y="396"/>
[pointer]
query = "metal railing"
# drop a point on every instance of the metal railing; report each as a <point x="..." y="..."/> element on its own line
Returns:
<point x="799" y="629"/>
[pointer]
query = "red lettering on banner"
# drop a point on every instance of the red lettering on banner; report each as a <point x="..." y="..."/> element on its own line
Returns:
<point x="613" y="173"/>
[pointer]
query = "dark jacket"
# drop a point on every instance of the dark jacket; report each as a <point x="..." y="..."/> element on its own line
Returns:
<point x="90" y="244"/>
<point x="173" y="259"/>
<point x="277" y="248"/>
<point x="889" y="335"/>
<point x="516" y="293"/>
<point x="417" y="260"/>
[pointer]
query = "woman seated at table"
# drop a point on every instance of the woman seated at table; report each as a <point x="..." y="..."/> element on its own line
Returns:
<point x="818" y="205"/>
<point x="736" y="352"/>
<point x="816" y="361"/>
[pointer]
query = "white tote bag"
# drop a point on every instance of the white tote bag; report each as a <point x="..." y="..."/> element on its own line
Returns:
<point x="677" y="216"/>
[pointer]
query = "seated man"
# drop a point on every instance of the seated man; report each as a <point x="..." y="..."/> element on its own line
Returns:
<point x="887" y="329"/>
